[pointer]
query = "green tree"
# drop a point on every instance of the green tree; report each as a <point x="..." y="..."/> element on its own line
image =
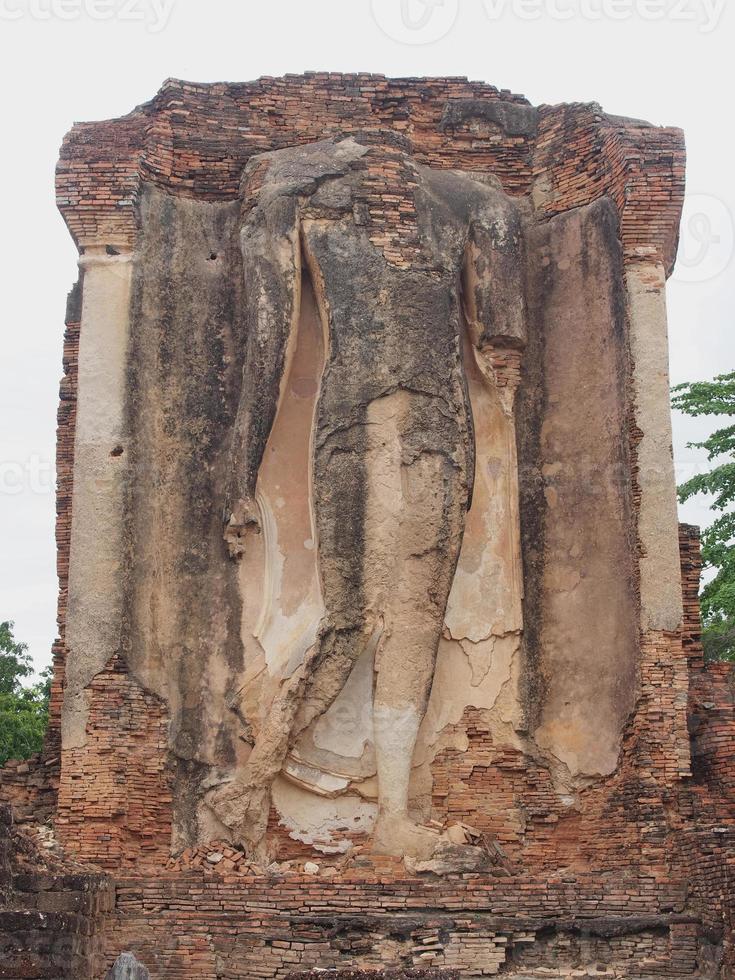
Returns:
<point x="23" y="709"/>
<point x="717" y="398"/>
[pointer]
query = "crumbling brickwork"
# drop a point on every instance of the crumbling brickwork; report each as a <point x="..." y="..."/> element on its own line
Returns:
<point x="115" y="807"/>
<point x="66" y="426"/>
<point x="478" y="927"/>
<point x="183" y="142"/>
<point x="582" y="154"/>
<point x="51" y="912"/>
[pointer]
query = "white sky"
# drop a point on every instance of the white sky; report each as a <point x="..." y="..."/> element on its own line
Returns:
<point x="669" y="61"/>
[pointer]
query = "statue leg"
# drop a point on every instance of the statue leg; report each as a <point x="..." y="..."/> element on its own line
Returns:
<point x="427" y="547"/>
<point x="390" y="517"/>
<point x="243" y="804"/>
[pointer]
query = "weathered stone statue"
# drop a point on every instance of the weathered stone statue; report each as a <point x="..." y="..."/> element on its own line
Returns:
<point x="379" y="638"/>
<point x="416" y="372"/>
<point x="391" y="449"/>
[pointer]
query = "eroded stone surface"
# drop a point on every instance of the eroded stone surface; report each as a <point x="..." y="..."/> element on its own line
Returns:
<point x="385" y="497"/>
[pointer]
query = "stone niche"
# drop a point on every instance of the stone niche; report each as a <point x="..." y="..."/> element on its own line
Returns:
<point x="368" y="544"/>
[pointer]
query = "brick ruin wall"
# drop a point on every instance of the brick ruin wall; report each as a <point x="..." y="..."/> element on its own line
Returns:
<point x="647" y="854"/>
<point x="191" y="926"/>
<point x="194" y="140"/>
<point x="51" y="912"/>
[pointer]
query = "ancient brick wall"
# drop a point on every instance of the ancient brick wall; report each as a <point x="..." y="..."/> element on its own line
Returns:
<point x="671" y="917"/>
<point x="115" y="804"/>
<point x="50" y="913"/>
<point x="659" y="901"/>
<point x="28" y="786"/>
<point x="194" y="926"/>
<point x="66" y="426"/>
<point x="183" y="141"/>
<point x="582" y="154"/>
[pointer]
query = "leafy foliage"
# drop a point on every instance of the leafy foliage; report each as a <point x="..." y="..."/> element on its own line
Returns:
<point x="716" y="397"/>
<point x="23" y="710"/>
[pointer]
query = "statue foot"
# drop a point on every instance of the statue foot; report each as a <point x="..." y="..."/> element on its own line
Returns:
<point x="399" y="836"/>
<point x="243" y="807"/>
<point x="448" y="858"/>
